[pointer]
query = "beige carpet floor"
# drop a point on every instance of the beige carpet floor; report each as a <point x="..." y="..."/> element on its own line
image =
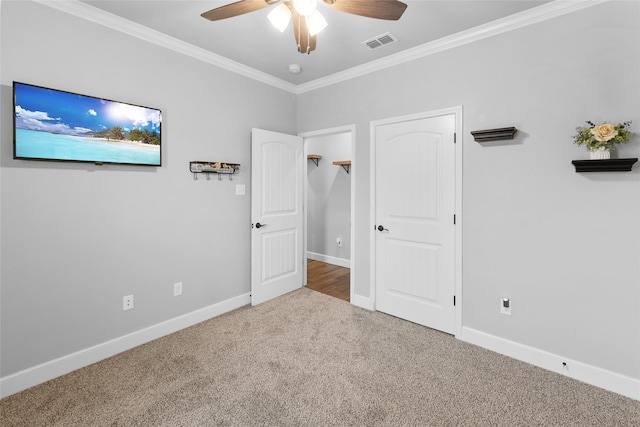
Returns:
<point x="306" y="359"/>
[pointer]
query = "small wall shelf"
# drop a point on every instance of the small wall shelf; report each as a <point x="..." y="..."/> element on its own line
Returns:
<point x="218" y="168"/>
<point x="346" y="164"/>
<point x="497" y="134"/>
<point x="315" y="158"/>
<point x="607" y="165"/>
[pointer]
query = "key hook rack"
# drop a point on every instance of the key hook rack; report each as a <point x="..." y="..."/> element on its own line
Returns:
<point x="218" y="168"/>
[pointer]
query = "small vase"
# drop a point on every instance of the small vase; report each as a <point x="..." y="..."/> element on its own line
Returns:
<point x="599" y="154"/>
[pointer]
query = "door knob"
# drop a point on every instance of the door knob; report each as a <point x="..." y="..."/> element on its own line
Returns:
<point x="258" y="225"/>
<point x="381" y="228"/>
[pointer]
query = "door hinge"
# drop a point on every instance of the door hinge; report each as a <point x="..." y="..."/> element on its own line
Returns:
<point x="455" y="137"/>
<point x="454" y="219"/>
<point x="454" y="300"/>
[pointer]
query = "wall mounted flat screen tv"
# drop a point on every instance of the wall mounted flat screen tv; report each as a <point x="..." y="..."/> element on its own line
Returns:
<point x="51" y="124"/>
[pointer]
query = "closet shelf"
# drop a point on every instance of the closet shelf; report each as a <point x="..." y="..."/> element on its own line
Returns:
<point x="315" y="158"/>
<point x="346" y="164"/>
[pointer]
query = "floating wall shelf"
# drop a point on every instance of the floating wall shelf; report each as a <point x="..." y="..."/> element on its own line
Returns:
<point x="497" y="134"/>
<point x="346" y="164"/>
<point x="315" y="158"/>
<point x="218" y="168"/>
<point x="607" y="165"/>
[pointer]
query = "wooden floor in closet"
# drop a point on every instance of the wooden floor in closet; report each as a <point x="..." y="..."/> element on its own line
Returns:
<point x="329" y="279"/>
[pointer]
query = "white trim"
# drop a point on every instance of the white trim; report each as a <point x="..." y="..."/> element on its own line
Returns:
<point x="372" y="213"/>
<point x="459" y="220"/>
<point x="528" y="17"/>
<point x="63" y="365"/>
<point x="305" y="201"/>
<point x="115" y="22"/>
<point x="362" y="302"/>
<point x="329" y="131"/>
<point x="329" y="259"/>
<point x="608" y="380"/>
<point x="352" y="255"/>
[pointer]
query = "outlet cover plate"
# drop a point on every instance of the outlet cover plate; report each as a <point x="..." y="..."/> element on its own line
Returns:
<point x="127" y="302"/>
<point x="177" y="289"/>
<point x="505" y="306"/>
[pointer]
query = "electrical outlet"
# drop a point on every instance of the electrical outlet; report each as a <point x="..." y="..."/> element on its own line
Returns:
<point x="505" y="306"/>
<point x="177" y="289"/>
<point x="127" y="302"/>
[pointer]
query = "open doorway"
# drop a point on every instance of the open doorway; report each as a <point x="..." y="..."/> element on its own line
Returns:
<point x="329" y="210"/>
<point x="329" y="279"/>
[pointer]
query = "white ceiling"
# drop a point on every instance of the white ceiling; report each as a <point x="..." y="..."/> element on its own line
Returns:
<point x="250" y="39"/>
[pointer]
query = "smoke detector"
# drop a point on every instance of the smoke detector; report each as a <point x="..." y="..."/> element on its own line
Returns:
<point x="295" y="69"/>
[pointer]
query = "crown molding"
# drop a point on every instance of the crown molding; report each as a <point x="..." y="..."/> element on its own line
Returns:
<point x="519" y="20"/>
<point x="109" y="20"/>
<point x="528" y="17"/>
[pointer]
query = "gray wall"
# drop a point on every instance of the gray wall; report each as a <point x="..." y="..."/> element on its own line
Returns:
<point x="77" y="238"/>
<point x="564" y="246"/>
<point x="329" y="197"/>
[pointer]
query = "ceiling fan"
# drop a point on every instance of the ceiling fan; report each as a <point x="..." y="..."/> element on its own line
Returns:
<point x="307" y="20"/>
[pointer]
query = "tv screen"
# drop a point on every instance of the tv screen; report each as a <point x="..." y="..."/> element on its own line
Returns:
<point x="51" y="124"/>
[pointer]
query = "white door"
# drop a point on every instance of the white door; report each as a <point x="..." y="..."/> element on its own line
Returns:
<point x="414" y="220"/>
<point x="276" y="214"/>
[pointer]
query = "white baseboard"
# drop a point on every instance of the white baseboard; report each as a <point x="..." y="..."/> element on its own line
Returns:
<point x="580" y="371"/>
<point x="54" y="368"/>
<point x="329" y="259"/>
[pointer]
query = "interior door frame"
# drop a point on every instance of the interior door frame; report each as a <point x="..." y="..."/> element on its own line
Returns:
<point x="457" y="111"/>
<point x="352" y="173"/>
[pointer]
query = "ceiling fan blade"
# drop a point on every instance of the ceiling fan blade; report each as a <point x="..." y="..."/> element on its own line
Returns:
<point x="381" y="9"/>
<point x="238" y="8"/>
<point x="306" y="43"/>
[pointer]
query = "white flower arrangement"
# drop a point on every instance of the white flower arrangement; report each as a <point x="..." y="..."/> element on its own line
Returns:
<point x="605" y="136"/>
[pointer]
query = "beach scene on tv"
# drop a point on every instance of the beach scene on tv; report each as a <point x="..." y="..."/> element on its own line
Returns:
<point x="57" y="125"/>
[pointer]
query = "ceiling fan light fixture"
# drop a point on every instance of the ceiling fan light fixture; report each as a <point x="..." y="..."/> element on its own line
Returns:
<point x="305" y="7"/>
<point x="280" y="17"/>
<point x="305" y="16"/>
<point x="316" y="23"/>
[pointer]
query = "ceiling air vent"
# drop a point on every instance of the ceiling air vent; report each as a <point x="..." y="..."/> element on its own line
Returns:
<point x="379" y="41"/>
